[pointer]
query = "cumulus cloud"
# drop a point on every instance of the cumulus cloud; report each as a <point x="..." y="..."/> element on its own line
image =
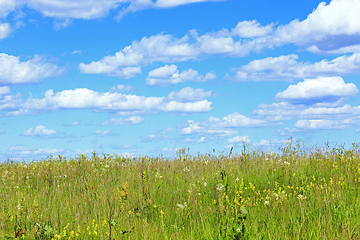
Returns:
<point x="195" y="140"/>
<point x="186" y="108"/>
<point x="189" y="94"/>
<point x="335" y="26"/>
<point x="288" y="111"/>
<point x="4" y="91"/>
<point x="103" y="132"/>
<point x="223" y="127"/>
<point x="315" y="104"/>
<point x="136" y="5"/>
<point x="120" y="146"/>
<point x="167" y="75"/>
<point x="83" y="98"/>
<point x="66" y="10"/>
<point x="157" y="135"/>
<point x="239" y="139"/>
<point x="12" y="71"/>
<point x="5" y="30"/>
<point x="168" y="49"/>
<point x="39" y="131"/>
<point x="73" y="124"/>
<point x="329" y="28"/>
<point x="21" y="151"/>
<point x="287" y="68"/>
<point x="122" y="88"/>
<point x="121" y="121"/>
<point x="323" y="124"/>
<point x="251" y="29"/>
<point x="153" y="137"/>
<point x="321" y="89"/>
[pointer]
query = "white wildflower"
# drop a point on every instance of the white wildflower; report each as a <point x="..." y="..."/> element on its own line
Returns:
<point x="220" y="186"/>
<point x="276" y="196"/>
<point x="182" y="206"/>
<point x="301" y="197"/>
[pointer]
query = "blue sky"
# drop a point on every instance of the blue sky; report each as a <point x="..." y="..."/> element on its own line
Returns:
<point x="142" y="77"/>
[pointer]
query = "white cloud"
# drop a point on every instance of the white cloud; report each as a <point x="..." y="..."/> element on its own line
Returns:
<point x="120" y="146"/>
<point x="239" y="139"/>
<point x="273" y="143"/>
<point x="73" y="124"/>
<point x="216" y="126"/>
<point x="157" y="48"/>
<point x="64" y="23"/>
<point x="39" y="131"/>
<point x="12" y="71"/>
<point x="192" y="128"/>
<point x="287" y="68"/>
<point x="136" y="5"/>
<point x="122" y="88"/>
<point x="103" y="132"/>
<point x="7" y="7"/>
<point x="288" y="111"/>
<point x="323" y="124"/>
<point x="174" y="3"/>
<point x="195" y="140"/>
<point x="153" y="137"/>
<point x="251" y="29"/>
<point x="167" y="75"/>
<point x="321" y="89"/>
<point x="80" y="9"/>
<point x="329" y="27"/>
<point x="121" y="121"/>
<point x="110" y="69"/>
<point x="186" y="108"/>
<point x="4" y="91"/>
<point x="19" y="150"/>
<point x="76" y="52"/>
<point x="5" y="30"/>
<point x="189" y="94"/>
<point x="83" y="98"/>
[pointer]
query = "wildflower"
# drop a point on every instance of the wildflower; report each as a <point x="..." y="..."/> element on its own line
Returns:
<point x="220" y="186"/>
<point x="205" y="184"/>
<point x="186" y="169"/>
<point x="267" y="203"/>
<point x="182" y="206"/>
<point x="237" y="179"/>
<point x="301" y="197"/>
<point x="161" y="212"/>
<point x="276" y="196"/>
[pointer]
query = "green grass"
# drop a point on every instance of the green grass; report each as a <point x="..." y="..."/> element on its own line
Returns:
<point x="294" y="194"/>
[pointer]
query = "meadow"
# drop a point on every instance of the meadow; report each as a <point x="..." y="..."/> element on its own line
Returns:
<point x="295" y="193"/>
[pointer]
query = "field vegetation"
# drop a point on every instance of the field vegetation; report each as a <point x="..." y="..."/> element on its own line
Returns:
<point x="295" y="193"/>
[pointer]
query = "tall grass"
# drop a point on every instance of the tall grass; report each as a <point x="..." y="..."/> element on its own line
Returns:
<point x="291" y="194"/>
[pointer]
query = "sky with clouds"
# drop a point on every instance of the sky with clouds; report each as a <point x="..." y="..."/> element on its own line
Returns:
<point x="147" y="77"/>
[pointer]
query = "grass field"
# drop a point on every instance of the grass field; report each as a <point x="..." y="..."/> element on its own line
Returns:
<point x="292" y="194"/>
